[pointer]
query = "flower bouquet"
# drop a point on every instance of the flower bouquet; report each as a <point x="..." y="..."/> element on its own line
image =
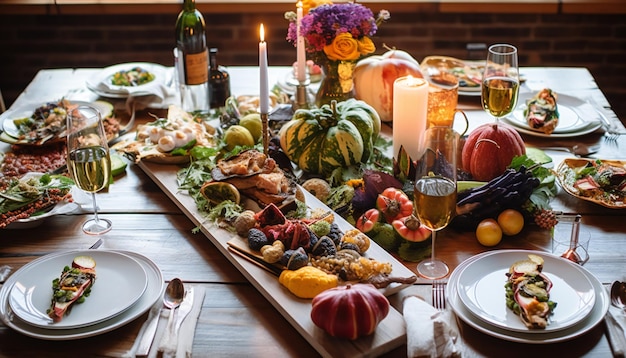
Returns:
<point x="336" y="37"/>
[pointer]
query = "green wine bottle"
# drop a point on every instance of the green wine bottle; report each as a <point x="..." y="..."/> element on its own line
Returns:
<point x="193" y="57"/>
<point x="219" y="81"/>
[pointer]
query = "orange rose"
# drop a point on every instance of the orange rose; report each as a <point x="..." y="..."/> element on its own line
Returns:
<point x="366" y="46"/>
<point x="344" y="47"/>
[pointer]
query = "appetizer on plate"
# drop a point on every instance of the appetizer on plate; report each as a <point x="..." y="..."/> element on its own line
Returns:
<point x="448" y="71"/>
<point x="528" y="292"/>
<point x="541" y="111"/>
<point x="168" y="140"/>
<point x="46" y="124"/>
<point x="600" y="181"/>
<point x="72" y="286"/>
<point x="136" y="76"/>
<point x="33" y="194"/>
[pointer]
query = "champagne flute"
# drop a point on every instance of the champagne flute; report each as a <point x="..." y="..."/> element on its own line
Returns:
<point x="435" y="190"/>
<point x="500" y="86"/>
<point x="88" y="159"/>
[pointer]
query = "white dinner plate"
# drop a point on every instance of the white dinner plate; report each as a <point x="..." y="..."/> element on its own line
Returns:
<point x="26" y="110"/>
<point x="596" y="315"/>
<point x="576" y="117"/>
<point x="481" y="289"/>
<point x="63" y="207"/>
<point x="100" y="83"/>
<point x="120" y="282"/>
<point x="154" y="291"/>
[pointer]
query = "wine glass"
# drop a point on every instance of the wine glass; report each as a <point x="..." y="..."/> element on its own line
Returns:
<point x="88" y="160"/>
<point x="435" y="190"/>
<point x="500" y="86"/>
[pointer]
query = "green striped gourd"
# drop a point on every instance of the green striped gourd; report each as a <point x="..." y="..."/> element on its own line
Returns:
<point x="321" y="139"/>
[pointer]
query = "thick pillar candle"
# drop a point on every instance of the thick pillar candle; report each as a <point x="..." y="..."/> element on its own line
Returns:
<point x="410" y="104"/>
<point x="264" y="88"/>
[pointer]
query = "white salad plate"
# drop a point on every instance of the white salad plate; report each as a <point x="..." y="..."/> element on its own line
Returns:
<point x="100" y="83"/>
<point x="481" y="289"/>
<point x="152" y="293"/>
<point x="7" y="119"/>
<point x="576" y="117"/>
<point x="120" y="282"/>
<point x="595" y="315"/>
<point x="61" y="208"/>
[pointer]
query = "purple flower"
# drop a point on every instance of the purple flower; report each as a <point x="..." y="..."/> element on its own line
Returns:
<point x="323" y="23"/>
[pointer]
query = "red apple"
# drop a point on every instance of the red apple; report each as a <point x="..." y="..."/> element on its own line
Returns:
<point x="374" y="77"/>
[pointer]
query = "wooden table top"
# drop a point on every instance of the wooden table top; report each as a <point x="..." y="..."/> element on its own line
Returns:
<point x="236" y="320"/>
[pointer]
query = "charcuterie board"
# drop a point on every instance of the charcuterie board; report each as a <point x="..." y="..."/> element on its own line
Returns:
<point x="391" y="331"/>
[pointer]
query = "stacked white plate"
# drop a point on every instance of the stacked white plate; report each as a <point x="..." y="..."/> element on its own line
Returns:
<point x="576" y="117"/>
<point x="100" y="83"/>
<point x="476" y="294"/>
<point x="127" y="285"/>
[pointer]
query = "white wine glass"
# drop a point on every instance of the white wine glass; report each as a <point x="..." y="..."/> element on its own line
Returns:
<point x="88" y="159"/>
<point x="500" y="84"/>
<point x="435" y="190"/>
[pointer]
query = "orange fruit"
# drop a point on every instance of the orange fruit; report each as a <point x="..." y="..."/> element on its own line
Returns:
<point x="488" y="232"/>
<point x="511" y="222"/>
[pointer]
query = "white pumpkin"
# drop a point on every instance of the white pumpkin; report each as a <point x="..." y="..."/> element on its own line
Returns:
<point x="374" y="77"/>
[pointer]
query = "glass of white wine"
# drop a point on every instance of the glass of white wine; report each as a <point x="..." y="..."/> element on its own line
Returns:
<point x="435" y="190"/>
<point x="88" y="159"/>
<point x="500" y="87"/>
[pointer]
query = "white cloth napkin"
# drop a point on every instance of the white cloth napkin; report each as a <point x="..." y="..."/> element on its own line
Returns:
<point x="429" y="332"/>
<point x="158" y="94"/>
<point x="185" y="335"/>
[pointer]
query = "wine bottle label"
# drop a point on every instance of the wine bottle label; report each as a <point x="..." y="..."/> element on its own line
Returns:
<point x="197" y="68"/>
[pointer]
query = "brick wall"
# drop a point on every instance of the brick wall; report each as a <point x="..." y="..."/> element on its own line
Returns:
<point x="30" y="43"/>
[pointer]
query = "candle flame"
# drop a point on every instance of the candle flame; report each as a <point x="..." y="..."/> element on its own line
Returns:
<point x="299" y="4"/>
<point x="262" y="32"/>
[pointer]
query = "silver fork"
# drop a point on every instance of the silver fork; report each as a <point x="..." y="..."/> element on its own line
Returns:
<point x="439" y="294"/>
<point x="610" y="133"/>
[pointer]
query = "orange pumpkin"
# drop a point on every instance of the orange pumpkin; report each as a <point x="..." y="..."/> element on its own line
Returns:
<point x="489" y="149"/>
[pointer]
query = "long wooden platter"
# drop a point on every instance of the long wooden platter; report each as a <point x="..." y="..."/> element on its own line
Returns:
<point x="391" y="332"/>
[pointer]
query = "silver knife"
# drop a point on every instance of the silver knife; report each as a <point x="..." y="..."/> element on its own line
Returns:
<point x="170" y="341"/>
<point x="183" y="311"/>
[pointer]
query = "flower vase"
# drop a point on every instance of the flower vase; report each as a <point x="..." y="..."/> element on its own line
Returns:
<point x="337" y="83"/>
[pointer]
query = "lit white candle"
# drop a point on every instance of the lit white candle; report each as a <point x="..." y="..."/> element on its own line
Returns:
<point x="301" y="57"/>
<point x="410" y="106"/>
<point x="264" y="91"/>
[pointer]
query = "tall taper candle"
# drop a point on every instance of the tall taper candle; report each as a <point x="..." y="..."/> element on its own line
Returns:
<point x="410" y="106"/>
<point x="264" y="90"/>
<point x="301" y="57"/>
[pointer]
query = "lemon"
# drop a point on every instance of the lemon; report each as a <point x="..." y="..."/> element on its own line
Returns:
<point x="511" y="222"/>
<point x="252" y="122"/>
<point x="489" y="232"/>
<point x="216" y="192"/>
<point x="118" y="165"/>
<point x="238" y="135"/>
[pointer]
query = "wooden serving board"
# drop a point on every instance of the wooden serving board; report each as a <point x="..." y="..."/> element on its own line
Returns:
<point x="390" y="333"/>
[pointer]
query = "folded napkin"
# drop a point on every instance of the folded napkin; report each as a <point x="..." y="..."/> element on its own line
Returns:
<point x="616" y="328"/>
<point x="156" y="94"/>
<point x="183" y="347"/>
<point x="429" y="332"/>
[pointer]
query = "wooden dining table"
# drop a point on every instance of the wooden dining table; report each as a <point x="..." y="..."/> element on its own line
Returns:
<point x="236" y="320"/>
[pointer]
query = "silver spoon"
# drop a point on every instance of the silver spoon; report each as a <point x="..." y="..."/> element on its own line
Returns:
<point x="618" y="295"/>
<point x="172" y="298"/>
